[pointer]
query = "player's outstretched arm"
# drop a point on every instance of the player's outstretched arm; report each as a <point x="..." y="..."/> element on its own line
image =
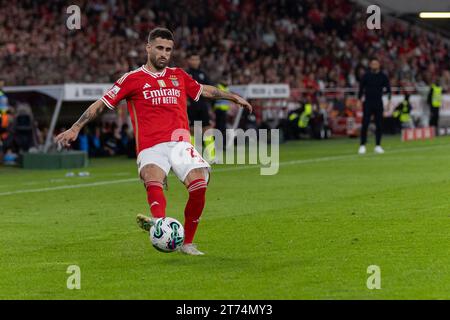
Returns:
<point x="68" y="136"/>
<point x="211" y="92"/>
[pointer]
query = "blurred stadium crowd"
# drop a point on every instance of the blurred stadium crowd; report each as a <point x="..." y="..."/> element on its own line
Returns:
<point x="308" y="44"/>
<point x="313" y="46"/>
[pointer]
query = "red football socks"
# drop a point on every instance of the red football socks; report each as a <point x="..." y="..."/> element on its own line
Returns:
<point x="194" y="208"/>
<point x="156" y="199"/>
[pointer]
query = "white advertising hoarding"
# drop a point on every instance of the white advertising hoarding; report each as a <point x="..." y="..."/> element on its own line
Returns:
<point x="85" y="92"/>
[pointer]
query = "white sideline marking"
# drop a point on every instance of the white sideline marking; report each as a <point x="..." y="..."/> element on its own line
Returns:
<point x="285" y="163"/>
<point x="74" y="186"/>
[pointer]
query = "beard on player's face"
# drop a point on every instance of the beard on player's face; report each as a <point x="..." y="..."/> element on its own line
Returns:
<point x="159" y="62"/>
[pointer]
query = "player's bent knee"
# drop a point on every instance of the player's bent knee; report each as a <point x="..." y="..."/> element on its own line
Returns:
<point x="195" y="174"/>
<point x="151" y="172"/>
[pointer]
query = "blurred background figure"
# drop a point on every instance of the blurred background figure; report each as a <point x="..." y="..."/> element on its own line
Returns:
<point x="299" y="119"/>
<point x="4" y="119"/>
<point x="402" y="114"/>
<point x="3" y="98"/>
<point x="83" y="140"/>
<point x="124" y="139"/>
<point x="199" y="110"/>
<point x="435" y="102"/>
<point x="372" y="87"/>
<point x="305" y="117"/>
<point x="221" y="108"/>
<point x="319" y="123"/>
<point x="24" y="129"/>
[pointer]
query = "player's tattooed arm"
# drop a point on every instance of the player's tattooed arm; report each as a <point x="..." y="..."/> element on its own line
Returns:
<point x="211" y="92"/>
<point x="67" y="137"/>
<point x="91" y="113"/>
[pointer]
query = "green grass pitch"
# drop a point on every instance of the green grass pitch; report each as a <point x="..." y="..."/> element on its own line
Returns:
<point x="309" y="232"/>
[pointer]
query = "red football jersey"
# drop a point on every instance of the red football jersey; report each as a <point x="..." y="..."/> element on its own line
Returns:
<point x="156" y="103"/>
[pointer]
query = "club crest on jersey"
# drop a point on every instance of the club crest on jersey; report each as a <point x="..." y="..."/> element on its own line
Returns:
<point x="161" y="83"/>
<point x="174" y="80"/>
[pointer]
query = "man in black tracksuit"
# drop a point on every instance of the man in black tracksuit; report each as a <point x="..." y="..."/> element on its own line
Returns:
<point x="372" y="87"/>
<point x="199" y="110"/>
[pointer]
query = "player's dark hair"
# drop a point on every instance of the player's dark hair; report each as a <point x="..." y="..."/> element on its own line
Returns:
<point x="374" y="59"/>
<point x="160" y="32"/>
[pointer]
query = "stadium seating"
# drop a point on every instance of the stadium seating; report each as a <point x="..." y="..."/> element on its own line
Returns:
<point x="301" y="43"/>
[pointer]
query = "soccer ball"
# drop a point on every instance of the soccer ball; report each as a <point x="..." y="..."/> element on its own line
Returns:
<point x="167" y="234"/>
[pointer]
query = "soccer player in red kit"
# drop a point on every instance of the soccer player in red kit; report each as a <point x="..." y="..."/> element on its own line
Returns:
<point x="156" y="99"/>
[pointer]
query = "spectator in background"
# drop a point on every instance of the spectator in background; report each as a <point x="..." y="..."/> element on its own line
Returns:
<point x="263" y="41"/>
<point x="435" y="102"/>
<point x="95" y="143"/>
<point x="299" y="120"/>
<point x="221" y="109"/>
<point x="24" y="130"/>
<point x="125" y="139"/>
<point x="83" y="140"/>
<point x="3" y="98"/>
<point x="109" y="140"/>
<point x="104" y="139"/>
<point x="5" y="119"/>
<point x="403" y="113"/>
